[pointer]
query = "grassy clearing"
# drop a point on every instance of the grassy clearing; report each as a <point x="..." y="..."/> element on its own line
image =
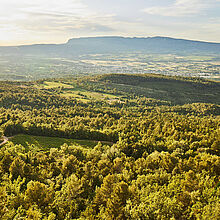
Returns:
<point x="72" y="90"/>
<point x="52" y="85"/>
<point x="51" y="142"/>
<point x="87" y="95"/>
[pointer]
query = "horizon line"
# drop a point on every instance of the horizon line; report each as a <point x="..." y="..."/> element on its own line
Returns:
<point x="113" y="36"/>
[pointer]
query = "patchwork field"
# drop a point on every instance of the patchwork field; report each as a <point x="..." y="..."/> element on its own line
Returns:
<point x="32" y="68"/>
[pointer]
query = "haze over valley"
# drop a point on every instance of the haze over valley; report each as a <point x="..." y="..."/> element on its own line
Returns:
<point x="100" y="55"/>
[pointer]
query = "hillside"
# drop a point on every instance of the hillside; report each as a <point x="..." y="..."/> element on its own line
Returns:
<point x="176" y="90"/>
<point x="112" y="88"/>
<point x="87" y="148"/>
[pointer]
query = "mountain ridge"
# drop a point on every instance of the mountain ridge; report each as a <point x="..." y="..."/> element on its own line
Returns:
<point x="142" y="38"/>
<point x="115" y="44"/>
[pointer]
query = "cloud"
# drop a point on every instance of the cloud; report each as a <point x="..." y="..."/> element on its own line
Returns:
<point x="26" y="22"/>
<point x="57" y="16"/>
<point x="44" y="22"/>
<point x="50" y="21"/>
<point x="179" y="8"/>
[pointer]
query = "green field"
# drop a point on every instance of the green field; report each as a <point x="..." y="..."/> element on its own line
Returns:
<point x="50" y="85"/>
<point x="51" y="142"/>
<point x="72" y="90"/>
<point x="87" y="95"/>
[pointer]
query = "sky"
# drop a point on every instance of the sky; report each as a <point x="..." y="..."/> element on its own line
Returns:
<point x="56" y="21"/>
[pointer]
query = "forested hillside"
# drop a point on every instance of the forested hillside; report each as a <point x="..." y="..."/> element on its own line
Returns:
<point x="153" y="158"/>
<point x="176" y="90"/>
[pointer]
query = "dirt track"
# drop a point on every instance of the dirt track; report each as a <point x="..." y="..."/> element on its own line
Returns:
<point x="5" y="140"/>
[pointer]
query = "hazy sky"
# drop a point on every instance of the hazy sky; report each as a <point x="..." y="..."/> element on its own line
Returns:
<point x="55" y="21"/>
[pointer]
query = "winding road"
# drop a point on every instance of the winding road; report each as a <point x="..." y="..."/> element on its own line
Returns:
<point x="5" y="140"/>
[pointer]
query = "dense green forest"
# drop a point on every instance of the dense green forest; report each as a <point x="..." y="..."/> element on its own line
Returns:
<point x="123" y="148"/>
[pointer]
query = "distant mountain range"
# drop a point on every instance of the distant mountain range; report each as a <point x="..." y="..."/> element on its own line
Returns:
<point x="99" y="45"/>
